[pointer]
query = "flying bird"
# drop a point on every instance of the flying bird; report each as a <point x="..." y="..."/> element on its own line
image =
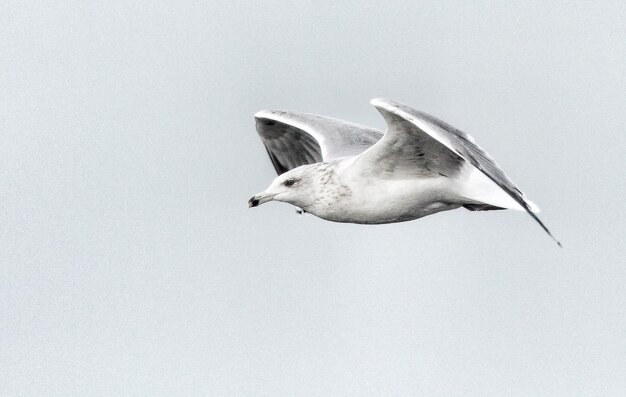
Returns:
<point x="345" y="172"/>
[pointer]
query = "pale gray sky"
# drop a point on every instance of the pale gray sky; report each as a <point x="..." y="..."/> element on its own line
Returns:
<point x="131" y="265"/>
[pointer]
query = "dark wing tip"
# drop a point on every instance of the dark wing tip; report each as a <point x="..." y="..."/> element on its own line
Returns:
<point x="523" y="203"/>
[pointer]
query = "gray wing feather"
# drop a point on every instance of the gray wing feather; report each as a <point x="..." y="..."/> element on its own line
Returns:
<point x="457" y="143"/>
<point x="293" y="139"/>
<point x="405" y="151"/>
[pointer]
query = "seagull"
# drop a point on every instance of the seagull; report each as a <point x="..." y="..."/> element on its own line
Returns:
<point x="345" y="172"/>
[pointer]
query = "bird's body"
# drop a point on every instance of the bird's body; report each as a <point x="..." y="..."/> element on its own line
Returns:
<point x="346" y="196"/>
<point x="344" y="172"/>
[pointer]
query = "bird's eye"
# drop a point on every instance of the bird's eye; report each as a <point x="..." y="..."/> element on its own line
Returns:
<point x="289" y="182"/>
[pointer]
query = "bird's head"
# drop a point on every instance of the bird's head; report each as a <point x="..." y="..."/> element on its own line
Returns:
<point x="293" y="187"/>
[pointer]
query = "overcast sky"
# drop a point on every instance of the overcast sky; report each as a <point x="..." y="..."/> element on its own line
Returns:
<point x="131" y="265"/>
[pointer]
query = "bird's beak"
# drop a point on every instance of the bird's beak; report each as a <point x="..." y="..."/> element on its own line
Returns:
<point x="260" y="199"/>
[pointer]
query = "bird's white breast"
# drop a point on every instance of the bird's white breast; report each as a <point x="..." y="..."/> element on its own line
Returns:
<point x="377" y="201"/>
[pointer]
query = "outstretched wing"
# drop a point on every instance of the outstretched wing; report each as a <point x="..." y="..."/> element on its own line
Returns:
<point x="293" y="139"/>
<point x="420" y="143"/>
